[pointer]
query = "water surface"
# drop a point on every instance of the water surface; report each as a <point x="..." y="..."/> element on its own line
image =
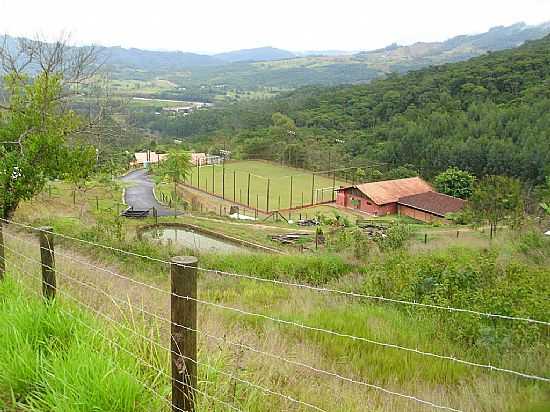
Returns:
<point x="191" y="240"/>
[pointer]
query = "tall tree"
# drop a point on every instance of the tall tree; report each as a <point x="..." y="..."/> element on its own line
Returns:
<point x="80" y="163"/>
<point x="455" y="182"/>
<point x="39" y="80"/>
<point x="175" y="168"/>
<point x="497" y="200"/>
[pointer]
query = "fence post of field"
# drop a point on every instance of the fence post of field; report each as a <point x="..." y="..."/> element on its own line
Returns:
<point x="248" y="192"/>
<point x="183" y="308"/>
<point x="2" y="253"/>
<point x="234" y="186"/>
<point x="333" y="183"/>
<point x="47" y="259"/>
<point x="291" y="188"/>
<point x="198" y="175"/>
<point x="213" y="180"/>
<point x="267" y="197"/>
<point x="223" y="180"/>
<point x="312" y="188"/>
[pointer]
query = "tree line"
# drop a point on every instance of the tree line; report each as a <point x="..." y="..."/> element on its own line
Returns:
<point x="489" y="115"/>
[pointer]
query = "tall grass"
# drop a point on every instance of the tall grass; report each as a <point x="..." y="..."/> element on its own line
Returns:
<point x="316" y="269"/>
<point x="50" y="361"/>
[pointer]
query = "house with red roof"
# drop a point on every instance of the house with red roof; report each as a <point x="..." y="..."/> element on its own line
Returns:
<point x="413" y="197"/>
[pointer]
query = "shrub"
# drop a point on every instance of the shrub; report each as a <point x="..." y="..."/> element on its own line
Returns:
<point x="396" y="237"/>
<point x="534" y="245"/>
<point x="464" y="278"/>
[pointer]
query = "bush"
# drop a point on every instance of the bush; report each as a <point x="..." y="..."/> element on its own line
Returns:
<point x="465" y="278"/>
<point x="534" y="245"/>
<point x="395" y="239"/>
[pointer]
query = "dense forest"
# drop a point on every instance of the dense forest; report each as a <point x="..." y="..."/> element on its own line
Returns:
<point x="488" y="115"/>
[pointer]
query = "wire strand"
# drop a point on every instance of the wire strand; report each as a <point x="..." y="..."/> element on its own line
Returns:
<point x="247" y="347"/>
<point x="256" y="386"/>
<point x="126" y="350"/>
<point x="26" y="287"/>
<point x="302" y="286"/>
<point x="356" y="338"/>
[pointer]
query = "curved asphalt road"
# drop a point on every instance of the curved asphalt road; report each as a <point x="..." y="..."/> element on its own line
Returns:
<point x="140" y="194"/>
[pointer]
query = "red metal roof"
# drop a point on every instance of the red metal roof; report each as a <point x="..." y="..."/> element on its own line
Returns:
<point x="433" y="202"/>
<point x="390" y="191"/>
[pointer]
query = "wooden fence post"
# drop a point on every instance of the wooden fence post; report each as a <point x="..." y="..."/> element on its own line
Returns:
<point x="2" y="254"/>
<point x="48" y="262"/>
<point x="223" y="180"/>
<point x="425" y="238"/>
<point x="291" y="189"/>
<point x="313" y="188"/>
<point x="183" y="331"/>
<point x="333" y="184"/>
<point x="267" y="196"/>
<point x="234" y="186"/>
<point x="213" y="180"/>
<point x="248" y="192"/>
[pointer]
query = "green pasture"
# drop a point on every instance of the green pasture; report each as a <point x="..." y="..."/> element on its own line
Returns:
<point x="288" y="187"/>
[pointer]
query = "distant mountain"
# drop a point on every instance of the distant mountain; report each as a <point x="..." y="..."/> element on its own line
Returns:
<point x="268" y="67"/>
<point x="417" y="55"/>
<point x="330" y="53"/>
<point x="255" y="55"/>
<point x="156" y="60"/>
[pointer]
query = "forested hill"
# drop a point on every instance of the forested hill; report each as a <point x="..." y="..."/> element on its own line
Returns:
<point x="490" y="114"/>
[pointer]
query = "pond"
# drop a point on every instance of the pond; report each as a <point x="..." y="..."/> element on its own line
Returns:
<point x="191" y="240"/>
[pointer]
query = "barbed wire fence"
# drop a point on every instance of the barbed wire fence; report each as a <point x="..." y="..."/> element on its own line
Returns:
<point x="187" y="394"/>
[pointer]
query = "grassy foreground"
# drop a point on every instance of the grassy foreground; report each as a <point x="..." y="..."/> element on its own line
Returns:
<point x="509" y="277"/>
<point x="54" y="358"/>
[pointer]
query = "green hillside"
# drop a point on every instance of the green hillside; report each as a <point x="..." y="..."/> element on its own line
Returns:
<point x="490" y="114"/>
<point x="231" y="75"/>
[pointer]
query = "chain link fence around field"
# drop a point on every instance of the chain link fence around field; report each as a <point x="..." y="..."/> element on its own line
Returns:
<point x="286" y="189"/>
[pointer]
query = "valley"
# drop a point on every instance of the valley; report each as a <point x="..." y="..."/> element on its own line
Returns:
<point x="265" y="230"/>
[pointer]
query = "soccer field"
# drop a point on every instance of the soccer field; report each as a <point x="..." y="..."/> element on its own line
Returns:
<point x="287" y="187"/>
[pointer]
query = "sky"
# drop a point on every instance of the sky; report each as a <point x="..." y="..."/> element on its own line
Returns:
<point x="209" y="26"/>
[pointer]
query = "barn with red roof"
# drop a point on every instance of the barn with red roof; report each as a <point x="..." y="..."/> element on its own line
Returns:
<point x="412" y="197"/>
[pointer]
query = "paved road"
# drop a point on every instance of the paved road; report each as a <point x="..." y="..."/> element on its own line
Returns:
<point x="140" y="194"/>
